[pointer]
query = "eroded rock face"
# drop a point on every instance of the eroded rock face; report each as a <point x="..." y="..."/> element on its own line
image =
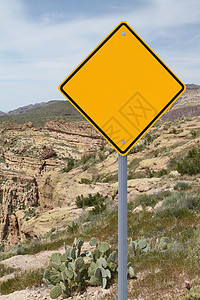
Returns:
<point x="21" y="127"/>
<point x="28" y="158"/>
<point x="83" y="135"/>
<point x="153" y="164"/>
<point x="17" y="194"/>
<point x="84" y="129"/>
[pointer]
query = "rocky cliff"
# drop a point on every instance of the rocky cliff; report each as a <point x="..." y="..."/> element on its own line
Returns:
<point x="27" y="155"/>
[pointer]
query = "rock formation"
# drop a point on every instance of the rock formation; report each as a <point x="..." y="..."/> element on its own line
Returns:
<point x="26" y="156"/>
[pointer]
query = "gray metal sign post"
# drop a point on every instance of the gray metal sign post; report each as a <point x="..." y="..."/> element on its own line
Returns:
<point x="122" y="227"/>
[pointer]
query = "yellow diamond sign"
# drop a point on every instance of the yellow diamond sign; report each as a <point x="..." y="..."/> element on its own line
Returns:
<point x="122" y="88"/>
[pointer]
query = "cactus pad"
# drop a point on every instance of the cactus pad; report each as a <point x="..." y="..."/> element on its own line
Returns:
<point x="55" y="292"/>
<point x="142" y="244"/>
<point x="163" y="246"/>
<point x="69" y="273"/>
<point x="79" y="263"/>
<point x="47" y="274"/>
<point x="80" y="243"/>
<point x="96" y="254"/>
<point x="102" y="262"/>
<point x="103" y="247"/>
<point x="56" y="258"/>
<point x="112" y="257"/>
<point x="131" y="272"/>
<point x="104" y="282"/>
<point x="164" y="239"/>
<point x="93" y="242"/>
<point x="97" y="273"/>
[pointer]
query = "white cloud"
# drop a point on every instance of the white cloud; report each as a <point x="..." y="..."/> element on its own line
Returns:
<point x="47" y="50"/>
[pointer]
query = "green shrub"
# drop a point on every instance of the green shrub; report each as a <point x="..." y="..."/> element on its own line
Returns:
<point x="85" y="167"/>
<point x="146" y="200"/>
<point x="193" y="133"/>
<point x="174" y="131"/>
<point x="179" y="204"/>
<point x="191" y="163"/>
<point x="21" y="281"/>
<point x="20" y="249"/>
<point x="161" y="173"/>
<point x="150" y="173"/>
<point x="102" y="156"/>
<point x="73" y="228"/>
<point x="111" y="178"/>
<point x="28" y="187"/>
<point x="97" y="209"/>
<point x="86" y="181"/>
<point x="138" y="148"/>
<point x="2" y="159"/>
<point x="70" y="165"/>
<point x="149" y="138"/>
<point x="6" y="270"/>
<point x="102" y="147"/>
<point x="90" y="200"/>
<point x="14" y="179"/>
<point x="181" y="186"/>
<point x="30" y="213"/>
<point x="90" y="158"/>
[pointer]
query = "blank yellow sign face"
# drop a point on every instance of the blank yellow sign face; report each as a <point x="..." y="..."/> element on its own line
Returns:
<point x="122" y="88"/>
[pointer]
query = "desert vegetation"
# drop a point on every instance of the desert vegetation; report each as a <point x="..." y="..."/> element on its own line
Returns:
<point x="70" y="197"/>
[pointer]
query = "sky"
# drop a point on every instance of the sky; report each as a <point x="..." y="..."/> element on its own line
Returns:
<point x="42" y="41"/>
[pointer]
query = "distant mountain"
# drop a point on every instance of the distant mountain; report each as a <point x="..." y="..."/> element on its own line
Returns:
<point x="188" y="105"/>
<point x="191" y="97"/>
<point x="41" y="113"/>
<point x="31" y="107"/>
<point x="2" y="113"/>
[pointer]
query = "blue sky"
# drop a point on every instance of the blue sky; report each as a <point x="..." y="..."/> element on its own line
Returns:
<point x="42" y="41"/>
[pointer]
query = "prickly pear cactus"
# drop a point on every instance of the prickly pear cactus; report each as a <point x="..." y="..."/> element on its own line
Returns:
<point x="164" y="239"/>
<point x="163" y="243"/>
<point x="76" y="269"/>
<point x="131" y="272"/>
<point x="140" y="246"/>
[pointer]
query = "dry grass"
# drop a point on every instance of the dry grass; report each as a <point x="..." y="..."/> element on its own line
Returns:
<point x="21" y="281"/>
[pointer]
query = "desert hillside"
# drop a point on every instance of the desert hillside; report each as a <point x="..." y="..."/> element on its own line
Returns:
<point x="58" y="181"/>
<point x="188" y="105"/>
